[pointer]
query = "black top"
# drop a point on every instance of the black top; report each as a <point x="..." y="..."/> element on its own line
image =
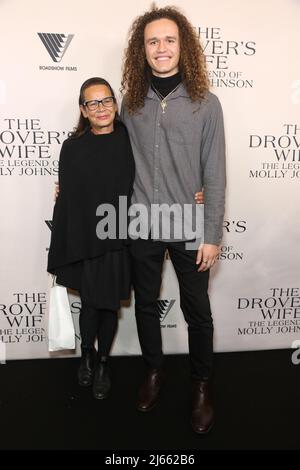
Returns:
<point x="165" y="84"/>
<point x="93" y="170"/>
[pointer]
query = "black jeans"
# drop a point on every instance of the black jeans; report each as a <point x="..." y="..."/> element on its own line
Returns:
<point x="147" y="259"/>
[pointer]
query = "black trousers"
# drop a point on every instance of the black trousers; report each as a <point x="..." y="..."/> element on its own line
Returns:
<point x="147" y="259"/>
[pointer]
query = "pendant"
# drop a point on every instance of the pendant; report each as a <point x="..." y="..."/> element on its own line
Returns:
<point x="163" y="105"/>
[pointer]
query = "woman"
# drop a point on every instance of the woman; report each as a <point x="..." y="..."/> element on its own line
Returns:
<point x="96" y="166"/>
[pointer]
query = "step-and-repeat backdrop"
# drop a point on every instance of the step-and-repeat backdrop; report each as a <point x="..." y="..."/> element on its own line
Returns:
<point x="252" y="50"/>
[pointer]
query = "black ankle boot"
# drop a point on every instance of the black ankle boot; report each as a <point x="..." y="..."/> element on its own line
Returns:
<point x="102" y="383"/>
<point x="86" y="367"/>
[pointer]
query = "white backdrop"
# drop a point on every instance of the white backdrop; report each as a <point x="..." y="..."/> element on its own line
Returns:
<point x="252" y="49"/>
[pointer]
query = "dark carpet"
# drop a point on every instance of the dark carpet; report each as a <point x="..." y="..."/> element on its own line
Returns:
<point x="257" y="401"/>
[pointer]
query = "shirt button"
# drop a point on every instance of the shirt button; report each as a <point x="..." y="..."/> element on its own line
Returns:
<point x="156" y="145"/>
<point x="156" y="189"/>
<point x="158" y="124"/>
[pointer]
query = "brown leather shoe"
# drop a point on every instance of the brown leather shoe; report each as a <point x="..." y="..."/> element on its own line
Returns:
<point x="202" y="407"/>
<point x="149" y="390"/>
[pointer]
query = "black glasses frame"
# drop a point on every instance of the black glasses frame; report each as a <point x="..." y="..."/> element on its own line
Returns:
<point x="86" y="103"/>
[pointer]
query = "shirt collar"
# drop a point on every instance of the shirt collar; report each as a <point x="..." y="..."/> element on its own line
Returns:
<point x="181" y="91"/>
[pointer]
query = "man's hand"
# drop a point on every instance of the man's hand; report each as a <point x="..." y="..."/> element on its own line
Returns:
<point x="199" y="197"/>
<point x="56" y="191"/>
<point x="206" y="256"/>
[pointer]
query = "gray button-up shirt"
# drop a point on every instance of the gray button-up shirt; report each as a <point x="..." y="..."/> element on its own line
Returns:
<point x="177" y="153"/>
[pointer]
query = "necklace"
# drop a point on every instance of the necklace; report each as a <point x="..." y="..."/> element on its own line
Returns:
<point x="163" y="99"/>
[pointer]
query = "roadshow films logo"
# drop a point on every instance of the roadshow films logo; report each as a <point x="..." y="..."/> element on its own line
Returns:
<point x="56" y="44"/>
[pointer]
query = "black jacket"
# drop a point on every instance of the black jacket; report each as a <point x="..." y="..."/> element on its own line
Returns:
<point x="93" y="170"/>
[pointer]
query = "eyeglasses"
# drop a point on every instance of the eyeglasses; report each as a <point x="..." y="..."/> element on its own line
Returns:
<point x="107" y="102"/>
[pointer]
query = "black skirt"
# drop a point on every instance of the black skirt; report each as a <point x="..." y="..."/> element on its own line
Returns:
<point x="102" y="282"/>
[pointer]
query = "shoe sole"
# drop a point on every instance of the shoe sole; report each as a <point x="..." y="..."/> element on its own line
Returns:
<point x="145" y="410"/>
<point x="101" y="397"/>
<point x="203" y="433"/>
<point x="84" y="384"/>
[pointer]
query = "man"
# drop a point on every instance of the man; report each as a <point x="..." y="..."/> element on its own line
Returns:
<point x="176" y="130"/>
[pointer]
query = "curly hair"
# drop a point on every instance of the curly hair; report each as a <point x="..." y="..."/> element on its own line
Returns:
<point x="136" y="71"/>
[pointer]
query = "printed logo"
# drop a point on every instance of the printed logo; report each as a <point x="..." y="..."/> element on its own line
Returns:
<point x="164" y="307"/>
<point x="279" y="154"/>
<point x="276" y="313"/>
<point x="218" y="52"/>
<point x="230" y="252"/>
<point x="29" y="149"/>
<point x="56" y="44"/>
<point x="22" y="320"/>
